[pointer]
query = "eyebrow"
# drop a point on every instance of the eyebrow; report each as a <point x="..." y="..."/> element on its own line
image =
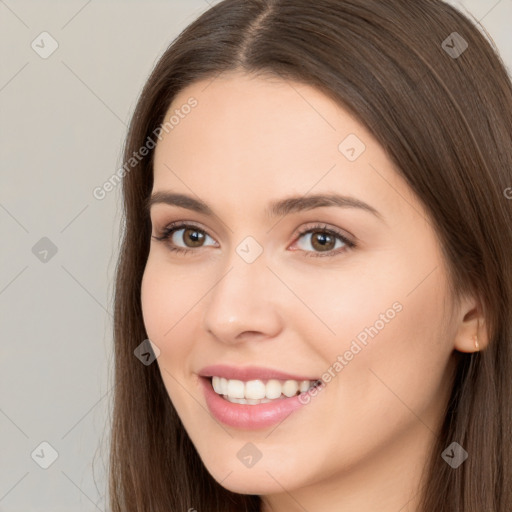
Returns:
<point x="274" y="209"/>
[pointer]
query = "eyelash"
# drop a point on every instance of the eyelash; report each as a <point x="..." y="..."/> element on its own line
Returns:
<point x="169" y="230"/>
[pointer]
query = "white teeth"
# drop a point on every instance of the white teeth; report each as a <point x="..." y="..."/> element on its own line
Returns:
<point x="236" y="389"/>
<point x="235" y="400"/>
<point x="273" y="389"/>
<point x="290" y="388"/>
<point x="304" y="385"/>
<point x="254" y="392"/>
<point x="255" y="389"/>
<point x="216" y="385"/>
<point x="224" y="386"/>
<point x="248" y="401"/>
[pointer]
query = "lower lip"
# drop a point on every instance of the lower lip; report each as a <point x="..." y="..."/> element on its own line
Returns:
<point x="248" y="416"/>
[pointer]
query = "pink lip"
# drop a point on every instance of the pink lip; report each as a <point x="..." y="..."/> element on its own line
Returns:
<point x="246" y="373"/>
<point x="245" y="416"/>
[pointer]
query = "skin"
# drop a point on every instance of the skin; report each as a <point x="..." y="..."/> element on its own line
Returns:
<point x="362" y="442"/>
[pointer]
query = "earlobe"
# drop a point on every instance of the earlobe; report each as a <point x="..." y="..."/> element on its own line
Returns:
<point x="477" y="344"/>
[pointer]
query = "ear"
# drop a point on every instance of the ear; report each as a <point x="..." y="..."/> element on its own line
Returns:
<point x="471" y="325"/>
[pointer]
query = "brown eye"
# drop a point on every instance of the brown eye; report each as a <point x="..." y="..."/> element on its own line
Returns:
<point x="322" y="241"/>
<point x="325" y="241"/>
<point x="188" y="237"/>
<point x="192" y="235"/>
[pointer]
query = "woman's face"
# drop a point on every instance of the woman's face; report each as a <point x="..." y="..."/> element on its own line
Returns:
<point x="269" y="295"/>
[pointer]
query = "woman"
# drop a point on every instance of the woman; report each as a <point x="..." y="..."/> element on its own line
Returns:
<point x="317" y="243"/>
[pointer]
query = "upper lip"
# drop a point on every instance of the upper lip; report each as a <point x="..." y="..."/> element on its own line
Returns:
<point x="246" y="373"/>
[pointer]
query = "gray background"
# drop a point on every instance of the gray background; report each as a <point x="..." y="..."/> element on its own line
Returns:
<point x="64" y="119"/>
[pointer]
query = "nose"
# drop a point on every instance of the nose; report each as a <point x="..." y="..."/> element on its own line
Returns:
<point x="242" y="304"/>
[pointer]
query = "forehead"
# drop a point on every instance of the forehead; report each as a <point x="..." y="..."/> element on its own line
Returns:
<point x="263" y="136"/>
<point x="265" y="114"/>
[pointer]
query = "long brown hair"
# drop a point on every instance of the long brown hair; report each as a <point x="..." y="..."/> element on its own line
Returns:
<point x="443" y="113"/>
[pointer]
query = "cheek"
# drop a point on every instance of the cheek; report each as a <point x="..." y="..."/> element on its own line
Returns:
<point x="396" y="358"/>
<point x="172" y="301"/>
<point x="388" y="343"/>
<point x="167" y="303"/>
<point x="153" y="300"/>
<point x="345" y="306"/>
<point x="165" y="292"/>
<point x="168" y="311"/>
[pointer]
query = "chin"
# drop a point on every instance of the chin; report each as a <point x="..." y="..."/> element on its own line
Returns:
<point x="250" y="482"/>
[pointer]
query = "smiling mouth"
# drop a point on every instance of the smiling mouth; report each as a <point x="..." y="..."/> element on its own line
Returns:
<point x="254" y="392"/>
